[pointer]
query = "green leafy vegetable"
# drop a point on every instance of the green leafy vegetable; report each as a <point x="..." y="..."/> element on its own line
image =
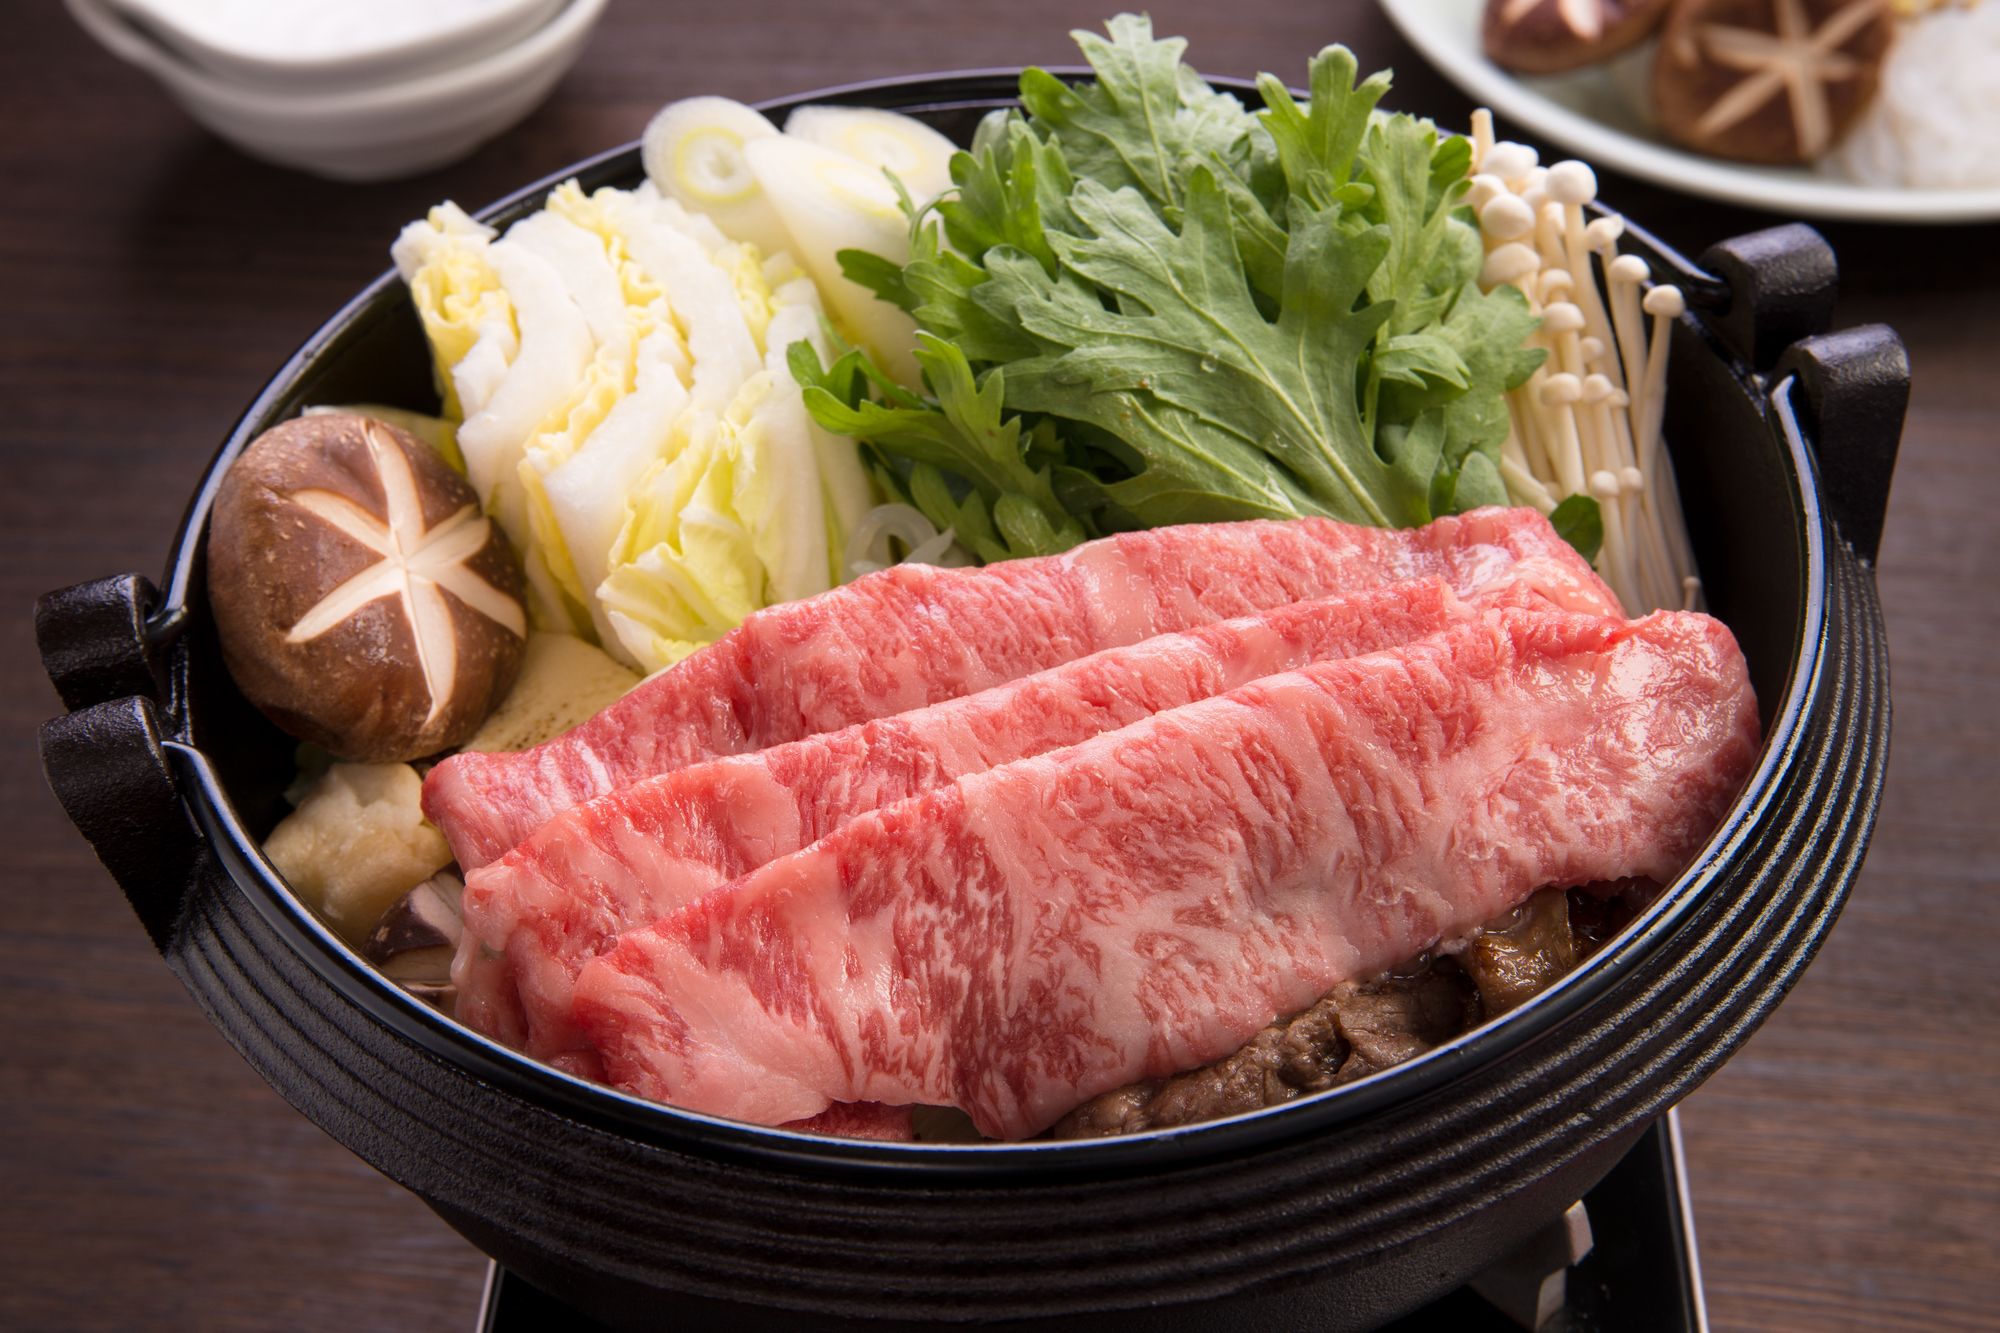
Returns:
<point x="1144" y="120"/>
<point x="1009" y="510"/>
<point x="1580" y="522"/>
<point x="881" y="276"/>
<point x="1190" y="375"/>
<point x="1006" y="190"/>
<point x="1144" y="304"/>
<point x="1317" y="144"/>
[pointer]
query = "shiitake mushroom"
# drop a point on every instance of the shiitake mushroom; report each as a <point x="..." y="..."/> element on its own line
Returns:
<point x="362" y="600"/>
<point x="1554" y="36"/>
<point x="1771" y="81"/>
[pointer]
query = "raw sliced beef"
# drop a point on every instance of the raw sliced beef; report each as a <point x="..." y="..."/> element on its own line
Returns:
<point x="626" y="859"/>
<point x="1145" y="902"/>
<point x="914" y="635"/>
<point x="847" y="1120"/>
<point x="859" y="1120"/>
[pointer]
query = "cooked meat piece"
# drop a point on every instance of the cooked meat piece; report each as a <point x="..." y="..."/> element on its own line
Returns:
<point x="1524" y="954"/>
<point x="1298" y="1055"/>
<point x="1355" y="1031"/>
<point x="1390" y="1021"/>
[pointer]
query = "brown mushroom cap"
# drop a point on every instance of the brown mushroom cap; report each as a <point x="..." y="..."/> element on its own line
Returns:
<point x="1554" y="36"/>
<point x="1773" y="81"/>
<point x="424" y="919"/>
<point x="362" y="601"/>
<point x="414" y="942"/>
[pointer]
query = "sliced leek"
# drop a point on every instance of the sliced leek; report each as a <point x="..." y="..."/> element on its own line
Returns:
<point x="693" y="151"/>
<point x="918" y="155"/>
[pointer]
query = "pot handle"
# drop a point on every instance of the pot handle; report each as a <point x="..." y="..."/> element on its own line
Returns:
<point x="1850" y="390"/>
<point x="106" y="761"/>
<point x="102" y="640"/>
<point x="1777" y="286"/>
<point x="108" y="766"/>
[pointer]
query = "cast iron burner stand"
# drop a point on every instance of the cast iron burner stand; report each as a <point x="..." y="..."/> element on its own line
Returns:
<point x="1621" y="1260"/>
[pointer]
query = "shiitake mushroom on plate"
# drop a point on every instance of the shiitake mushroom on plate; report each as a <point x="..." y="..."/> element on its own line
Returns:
<point x="1555" y="36"/>
<point x="1769" y="81"/>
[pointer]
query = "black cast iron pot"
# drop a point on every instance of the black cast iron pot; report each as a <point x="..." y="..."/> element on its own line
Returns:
<point x="1334" y="1212"/>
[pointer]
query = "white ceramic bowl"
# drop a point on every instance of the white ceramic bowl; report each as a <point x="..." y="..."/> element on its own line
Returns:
<point x="331" y="47"/>
<point x="373" y="133"/>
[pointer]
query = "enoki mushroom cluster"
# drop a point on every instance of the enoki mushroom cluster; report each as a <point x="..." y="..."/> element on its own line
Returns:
<point x="1587" y="422"/>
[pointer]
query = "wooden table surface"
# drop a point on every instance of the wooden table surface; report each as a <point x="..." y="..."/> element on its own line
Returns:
<point x="1846" y="1165"/>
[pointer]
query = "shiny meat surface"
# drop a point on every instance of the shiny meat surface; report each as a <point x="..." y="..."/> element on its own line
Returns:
<point x="628" y="858"/>
<point x="1147" y="901"/>
<point x="914" y="635"/>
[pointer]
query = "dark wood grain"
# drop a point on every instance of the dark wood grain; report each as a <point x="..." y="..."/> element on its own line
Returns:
<point x="1846" y="1166"/>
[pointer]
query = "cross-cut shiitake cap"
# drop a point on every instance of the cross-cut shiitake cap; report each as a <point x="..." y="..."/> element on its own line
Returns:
<point x="1771" y="81"/>
<point x="1554" y="36"/>
<point x="362" y="600"/>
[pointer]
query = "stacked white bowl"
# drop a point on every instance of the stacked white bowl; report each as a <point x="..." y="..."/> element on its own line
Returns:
<point x="354" y="90"/>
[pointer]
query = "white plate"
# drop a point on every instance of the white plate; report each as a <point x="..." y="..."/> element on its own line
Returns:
<point x="1591" y="114"/>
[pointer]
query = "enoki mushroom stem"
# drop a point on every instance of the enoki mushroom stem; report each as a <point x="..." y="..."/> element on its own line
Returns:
<point x="1588" y="421"/>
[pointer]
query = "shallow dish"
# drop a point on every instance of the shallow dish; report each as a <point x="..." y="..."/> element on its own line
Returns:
<point x="1341" y="1210"/>
<point x="1589" y="114"/>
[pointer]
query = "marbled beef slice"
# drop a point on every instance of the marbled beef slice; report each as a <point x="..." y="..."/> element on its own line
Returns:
<point x="914" y="635"/>
<point x="1145" y="902"/>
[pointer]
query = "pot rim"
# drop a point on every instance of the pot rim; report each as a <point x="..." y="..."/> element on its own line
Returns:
<point x="444" y="1038"/>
